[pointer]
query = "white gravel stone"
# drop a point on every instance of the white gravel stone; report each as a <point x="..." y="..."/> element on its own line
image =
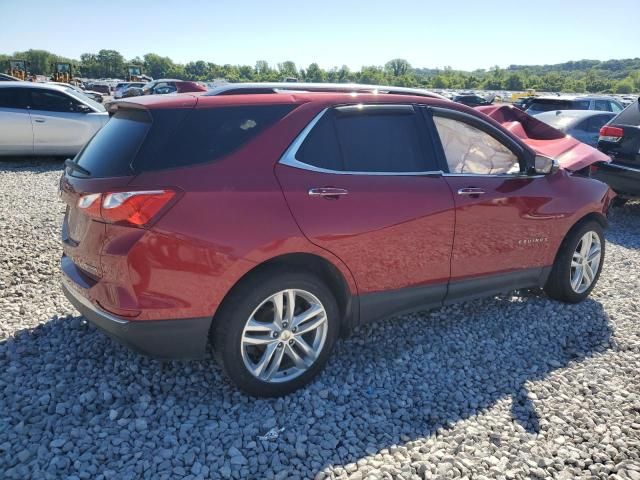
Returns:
<point x="515" y="386"/>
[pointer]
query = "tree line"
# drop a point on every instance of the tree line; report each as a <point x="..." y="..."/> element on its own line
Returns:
<point x="612" y="76"/>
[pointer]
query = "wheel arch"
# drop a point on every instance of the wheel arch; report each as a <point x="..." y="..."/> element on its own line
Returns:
<point x="315" y="264"/>
<point x="590" y="216"/>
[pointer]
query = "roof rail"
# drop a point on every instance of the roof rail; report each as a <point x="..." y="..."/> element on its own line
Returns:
<point x="276" y="87"/>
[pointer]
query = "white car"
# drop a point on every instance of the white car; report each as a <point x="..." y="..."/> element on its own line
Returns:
<point x="45" y="119"/>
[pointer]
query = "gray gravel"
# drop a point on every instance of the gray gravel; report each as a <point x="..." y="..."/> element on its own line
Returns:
<point x="516" y="386"/>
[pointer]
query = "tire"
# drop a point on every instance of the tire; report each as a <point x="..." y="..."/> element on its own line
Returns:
<point x="256" y="298"/>
<point x="559" y="284"/>
<point x="619" y="202"/>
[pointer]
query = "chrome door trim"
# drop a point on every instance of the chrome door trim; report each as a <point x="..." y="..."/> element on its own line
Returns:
<point x="289" y="159"/>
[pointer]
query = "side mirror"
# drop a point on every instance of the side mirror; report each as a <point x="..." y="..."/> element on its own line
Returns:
<point x="545" y="165"/>
<point x="82" y="108"/>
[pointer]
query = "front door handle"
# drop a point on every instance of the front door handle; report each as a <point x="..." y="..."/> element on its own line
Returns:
<point x="471" y="191"/>
<point x="39" y="120"/>
<point x="328" y="192"/>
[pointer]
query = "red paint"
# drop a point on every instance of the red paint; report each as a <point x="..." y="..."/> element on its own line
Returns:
<point x="236" y="213"/>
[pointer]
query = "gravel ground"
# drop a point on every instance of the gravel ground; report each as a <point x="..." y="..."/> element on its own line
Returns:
<point x="515" y="386"/>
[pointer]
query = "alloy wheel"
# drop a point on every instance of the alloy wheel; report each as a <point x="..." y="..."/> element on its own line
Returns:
<point x="284" y="336"/>
<point x="585" y="262"/>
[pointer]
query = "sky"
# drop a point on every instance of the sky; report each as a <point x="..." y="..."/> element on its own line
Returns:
<point x="463" y="34"/>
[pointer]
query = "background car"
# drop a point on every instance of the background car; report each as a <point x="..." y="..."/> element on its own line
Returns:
<point x="523" y="102"/>
<point x="163" y="86"/>
<point x="583" y="125"/>
<point x="572" y="102"/>
<point x="323" y="211"/>
<point x="8" y="78"/>
<point x="44" y="119"/>
<point x="124" y="86"/>
<point x="93" y="95"/>
<point x="620" y="139"/>
<point x="472" y="100"/>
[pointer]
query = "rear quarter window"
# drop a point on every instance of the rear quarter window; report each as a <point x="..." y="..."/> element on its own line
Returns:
<point x="207" y="135"/>
<point x="629" y="116"/>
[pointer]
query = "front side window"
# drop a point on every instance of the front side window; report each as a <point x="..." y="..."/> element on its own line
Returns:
<point x="602" y="105"/>
<point x="472" y="151"/>
<point x="615" y="107"/>
<point x="365" y="141"/>
<point x="51" y="101"/>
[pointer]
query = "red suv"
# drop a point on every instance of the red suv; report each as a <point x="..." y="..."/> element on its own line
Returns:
<point x="271" y="219"/>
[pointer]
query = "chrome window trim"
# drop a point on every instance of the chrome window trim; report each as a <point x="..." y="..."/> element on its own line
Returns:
<point x="622" y="167"/>
<point x="289" y="156"/>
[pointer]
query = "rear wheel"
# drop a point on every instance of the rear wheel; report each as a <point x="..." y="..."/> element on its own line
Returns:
<point x="275" y="332"/>
<point x="578" y="264"/>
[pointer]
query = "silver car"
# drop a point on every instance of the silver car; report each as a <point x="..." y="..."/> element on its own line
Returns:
<point x="583" y="125"/>
<point x="45" y="119"/>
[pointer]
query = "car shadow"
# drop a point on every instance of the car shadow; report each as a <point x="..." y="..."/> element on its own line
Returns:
<point x="622" y="220"/>
<point x="400" y="379"/>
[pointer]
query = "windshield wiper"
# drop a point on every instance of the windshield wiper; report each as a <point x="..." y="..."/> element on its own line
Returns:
<point x="74" y="166"/>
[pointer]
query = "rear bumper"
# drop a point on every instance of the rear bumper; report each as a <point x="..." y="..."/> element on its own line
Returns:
<point x="164" y="339"/>
<point x="624" y="180"/>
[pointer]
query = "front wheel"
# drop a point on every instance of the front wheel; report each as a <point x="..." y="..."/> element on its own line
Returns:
<point x="578" y="264"/>
<point x="275" y="332"/>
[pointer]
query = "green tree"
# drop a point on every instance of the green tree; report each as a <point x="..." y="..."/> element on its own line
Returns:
<point x="111" y="63"/>
<point x="397" y="67"/>
<point x="156" y="66"/>
<point x="287" y="70"/>
<point x="315" y="74"/>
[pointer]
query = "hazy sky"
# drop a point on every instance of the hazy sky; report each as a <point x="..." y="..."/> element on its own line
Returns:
<point x="462" y="34"/>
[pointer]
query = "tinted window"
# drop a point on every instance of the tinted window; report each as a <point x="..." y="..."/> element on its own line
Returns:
<point x="629" y="116"/>
<point x="320" y="148"/>
<point x="110" y="152"/>
<point x="470" y="150"/>
<point x="380" y="142"/>
<point x="615" y="107"/>
<point x="13" y="98"/>
<point x="51" y="101"/>
<point x="547" y="105"/>
<point x="204" y="135"/>
<point x="602" y="105"/>
<point x="593" y="124"/>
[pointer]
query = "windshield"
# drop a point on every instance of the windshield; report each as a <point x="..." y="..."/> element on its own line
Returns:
<point x="547" y="105"/>
<point x="83" y="98"/>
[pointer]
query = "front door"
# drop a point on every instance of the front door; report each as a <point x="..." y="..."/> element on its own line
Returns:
<point x="362" y="183"/>
<point x="504" y="218"/>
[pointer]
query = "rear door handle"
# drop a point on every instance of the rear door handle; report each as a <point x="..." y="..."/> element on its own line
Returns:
<point x="39" y="120"/>
<point x="470" y="191"/>
<point x="328" y="192"/>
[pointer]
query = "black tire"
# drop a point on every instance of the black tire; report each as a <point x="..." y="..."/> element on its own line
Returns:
<point x="558" y="284"/>
<point x="230" y="321"/>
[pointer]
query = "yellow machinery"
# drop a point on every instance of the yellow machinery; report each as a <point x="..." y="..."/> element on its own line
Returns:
<point x="18" y="69"/>
<point x="62" y="72"/>
<point x="530" y="92"/>
<point x="134" y="73"/>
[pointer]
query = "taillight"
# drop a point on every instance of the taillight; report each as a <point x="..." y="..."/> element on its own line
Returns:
<point x="593" y="168"/>
<point x="135" y="208"/>
<point x="611" y="134"/>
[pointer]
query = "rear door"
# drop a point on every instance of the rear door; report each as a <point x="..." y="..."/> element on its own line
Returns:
<point x="362" y="182"/>
<point x="501" y="224"/>
<point x="16" y="132"/>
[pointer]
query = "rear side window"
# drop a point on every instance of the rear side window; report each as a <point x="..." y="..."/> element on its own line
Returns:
<point x="629" y="116"/>
<point x="548" y="105"/>
<point x="206" y="135"/>
<point x="110" y="152"/>
<point x="13" y="98"/>
<point x="365" y="141"/>
<point x="380" y="143"/>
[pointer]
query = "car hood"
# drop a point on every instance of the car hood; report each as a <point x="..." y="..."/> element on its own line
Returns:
<point x="570" y="153"/>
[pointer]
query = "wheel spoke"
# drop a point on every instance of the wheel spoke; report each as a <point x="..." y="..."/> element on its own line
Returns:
<point x="265" y="359"/>
<point x="291" y="305"/>
<point x="309" y="353"/>
<point x="307" y="315"/>
<point x="595" y="252"/>
<point x="588" y="274"/>
<point x="586" y="244"/>
<point x="254" y="326"/>
<point x="311" y="325"/>
<point x="258" y="340"/>
<point x="576" y="279"/>
<point x="297" y="359"/>
<point x="576" y="261"/>
<point x="278" y="302"/>
<point x="275" y="364"/>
